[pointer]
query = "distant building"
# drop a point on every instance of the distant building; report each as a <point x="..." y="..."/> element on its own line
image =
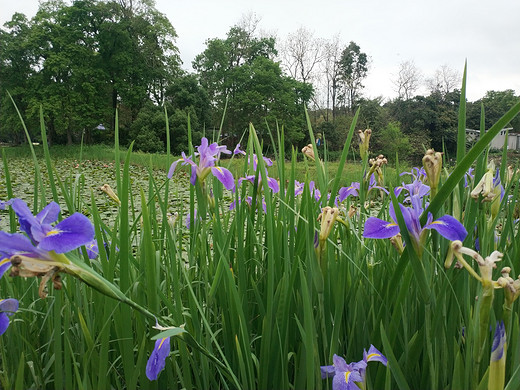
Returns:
<point x="513" y="139"/>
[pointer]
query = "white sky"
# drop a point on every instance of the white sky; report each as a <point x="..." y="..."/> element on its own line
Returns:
<point x="430" y="33"/>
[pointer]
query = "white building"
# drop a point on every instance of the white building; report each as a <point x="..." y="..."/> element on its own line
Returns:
<point x="513" y="139"/>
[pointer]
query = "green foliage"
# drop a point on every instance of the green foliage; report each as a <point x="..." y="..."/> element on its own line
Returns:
<point x="240" y="72"/>
<point x="433" y="117"/>
<point x="353" y="67"/>
<point x="252" y="302"/>
<point x="391" y="141"/>
<point x="81" y="61"/>
<point x="495" y="104"/>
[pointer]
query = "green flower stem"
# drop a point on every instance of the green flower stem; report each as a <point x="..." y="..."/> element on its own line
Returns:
<point x="486" y="300"/>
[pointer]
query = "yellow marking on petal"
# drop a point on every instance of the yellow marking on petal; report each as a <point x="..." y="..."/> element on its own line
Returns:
<point x="439" y="222"/>
<point x="161" y="343"/>
<point x="219" y="169"/>
<point x="391" y="224"/>
<point x="53" y="232"/>
<point x="4" y="261"/>
<point x="373" y="355"/>
<point x="347" y="374"/>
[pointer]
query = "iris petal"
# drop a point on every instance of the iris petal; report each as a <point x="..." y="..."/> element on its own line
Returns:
<point x="69" y="234"/>
<point x="225" y="177"/>
<point x="157" y="359"/>
<point x="449" y="228"/>
<point x="377" y="228"/>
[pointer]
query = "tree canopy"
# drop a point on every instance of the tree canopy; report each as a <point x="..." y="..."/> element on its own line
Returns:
<point x="81" y="61"/>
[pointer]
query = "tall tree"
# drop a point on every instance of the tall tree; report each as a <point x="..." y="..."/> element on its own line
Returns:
<point x="408" y="80"/>
<point x="444" y="80"/>
<point x="16" y="60"/>
<point x="354" y="67"/>
<point x="332" y="72"/>
<point x="301" y="54"/>
<point x="239" y="72"/>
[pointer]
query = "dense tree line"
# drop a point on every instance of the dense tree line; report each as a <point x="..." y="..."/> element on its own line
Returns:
<point x="81" y="62"/>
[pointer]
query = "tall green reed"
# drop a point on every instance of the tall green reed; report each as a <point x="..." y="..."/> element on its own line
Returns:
<point x="251" y="302"/>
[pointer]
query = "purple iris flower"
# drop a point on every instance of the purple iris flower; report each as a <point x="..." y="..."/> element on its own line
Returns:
<point x="469" y="175"/>
<point x="417" y="187"/>
<point x="157" y="359"/>
<point x="416" y="173"/>
<point x="71" y="233"/>
<point x="498" y="183"/>
<point x="345" y="192"/>
<point x="314" y="191"/>
<point x="372" y="184"/>
<point x="298" y="188"/>
<point x="373" y="355"/>
<point x="344" y="375"/>
<point x="271" y="182"/>
<point x="267" y="162"/>
<point x="7" y="308"/>
<point x="447" y="226"/>
<point x="208" y="155"/>
<point x="238" y="150"/>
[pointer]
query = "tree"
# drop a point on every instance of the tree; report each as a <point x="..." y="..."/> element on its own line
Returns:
<point x="444" y="80"/>
<point x="433" y="118"/>
<point x="82" y="61"/>
<point x="301" y="54"/>
<point x="496" y="104"/>
<point x="239" y="73"/>
<point x="390" y="141"/>
<point x="408" y="80"/>
<point x="15" y="70"/>
<point x="332" y="73"/>
<point x="353" y="69"/>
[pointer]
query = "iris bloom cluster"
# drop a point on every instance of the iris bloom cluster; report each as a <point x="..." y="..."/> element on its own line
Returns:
<point x="271" y="182"/>
<point x="447" y="226"/>
<point x="208" y="155"/>
<point x="349" y="376"/>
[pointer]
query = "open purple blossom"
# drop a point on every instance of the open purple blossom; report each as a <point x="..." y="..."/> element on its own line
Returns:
<point x="416" y="187"/>
<point x="314" y="191"/>
<point x="372" y="185"/>
<point x="469" y="176"/>
<point x="416" y="173"/>
<point x="7" y="308"/>
<point x="267" y="161"/>
<point x="447" y="226"/>
<point x="343" y="375"/>
<point x="71" y="233"/>
<point x="5" y="263"/>
<point x="373" y="355"/>
<point x="271" y="182"/>
<point x="346" y="375"/>
<point x="237" y="150"/>
<point x="208" y="155"/>
<point x="298" y="187"/>
<point x="157" y="360"/>
<point x="345" y="192"/>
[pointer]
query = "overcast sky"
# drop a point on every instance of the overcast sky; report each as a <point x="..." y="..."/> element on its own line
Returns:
<point x="430" y="33"/>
